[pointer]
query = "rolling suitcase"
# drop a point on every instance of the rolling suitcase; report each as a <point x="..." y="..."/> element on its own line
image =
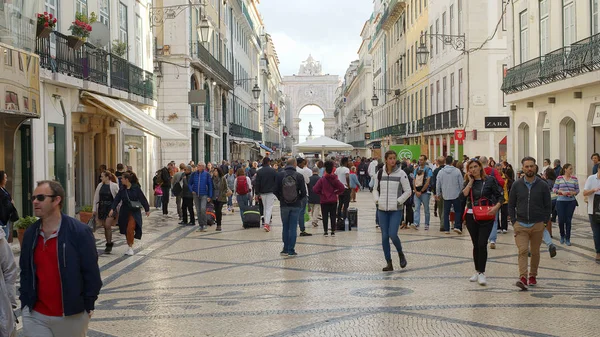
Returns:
<point x="210" y="214"/>
<point x="252" y="217"/>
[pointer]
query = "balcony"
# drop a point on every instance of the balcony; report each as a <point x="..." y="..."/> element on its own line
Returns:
<point x="394" y="10"/>
<point x="358" y="143"/>
<point x="213" y="68"/>
<point x="579" y="58"/>
<point x="93" y="64"/>
<point x="394" y="130"/>
<point x="237" y="130"/>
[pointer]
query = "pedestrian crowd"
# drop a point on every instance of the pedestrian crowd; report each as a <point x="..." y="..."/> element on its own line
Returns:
<point x="59" y="274"/>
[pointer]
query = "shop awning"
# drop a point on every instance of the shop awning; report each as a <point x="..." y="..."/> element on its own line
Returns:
<point x="503" y="141"/>
<point x="133" y="116"/>
<point x="266" y="148"/>
<point x="212" y="134"/>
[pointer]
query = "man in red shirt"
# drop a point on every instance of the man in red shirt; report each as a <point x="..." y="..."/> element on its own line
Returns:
<point x="60" y="278"/>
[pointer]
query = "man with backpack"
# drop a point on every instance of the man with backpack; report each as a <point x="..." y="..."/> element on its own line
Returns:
<point x="202" y="188"/>
<point x="290" y="189"/>
<point x="264" y="186"/>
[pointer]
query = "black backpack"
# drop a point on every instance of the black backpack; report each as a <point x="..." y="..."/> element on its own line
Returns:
<point x="289" y="188"/>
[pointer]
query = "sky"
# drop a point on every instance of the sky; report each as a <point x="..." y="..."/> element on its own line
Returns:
<point x="327" y="29"/>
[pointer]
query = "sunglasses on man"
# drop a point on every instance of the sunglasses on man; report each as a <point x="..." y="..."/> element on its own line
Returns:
<point x="41" y="197"/>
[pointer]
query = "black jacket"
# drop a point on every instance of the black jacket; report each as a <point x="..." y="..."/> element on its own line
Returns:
<point x="78" y="267"/>
<point x="300" y="186"/>
<point x="531" y="206"/>
<point x="166" y="177"/>
<point x="313" y="198"/>
<point x="491" y="191"/>
<point x="265" y="180"/>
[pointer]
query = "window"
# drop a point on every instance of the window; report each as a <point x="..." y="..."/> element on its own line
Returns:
<point x="8" y="57"/>
<point x="569" y="31"/>
<point x="50" y="6"/>
<point x="544" y="28"/>
<point x="451" y="19"/>
<point x="123" y="24"/>
<point x="444" y="28"/>
<point x="81" y="7"/>
<point x="415" y="57"/>
<point x="437" y="95"/>
<point x="523" y="23"/>
<point x="426" y="102"/>
<point x="432" y="103"/>
<point x="460" y="84"/>
<point x="460" y="14"/>
<point x="437" y="31"/>
<point x="105" y="12"/>
<point x="421" y="103"/>
<point x="595" y="17"/>
<point x="138" y="42"/>
<point x="445" y="88"/>
<point x="451" y="90"/>
<point x="25" y="103"/>
<point x="11" y="101"/>
<point x="504" y="3"/>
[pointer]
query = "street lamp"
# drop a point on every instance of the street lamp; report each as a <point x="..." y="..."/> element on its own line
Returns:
<point x="256" y="91"/>
<point x="271" y="111"/>
<point x="422" y="54"/>
<point x="456" y="41"/>
<point x="205" y="30"/>
<point x="374" y="99"/>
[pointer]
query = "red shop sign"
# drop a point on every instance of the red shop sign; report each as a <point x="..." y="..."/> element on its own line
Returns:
<point x="459" y="134"/>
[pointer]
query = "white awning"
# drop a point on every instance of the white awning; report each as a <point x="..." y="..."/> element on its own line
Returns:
<point x="212" y="134"/>
<point x="133" y="116"/>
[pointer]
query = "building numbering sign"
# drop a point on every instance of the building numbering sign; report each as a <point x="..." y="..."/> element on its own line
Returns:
<point x="459" y="134"/>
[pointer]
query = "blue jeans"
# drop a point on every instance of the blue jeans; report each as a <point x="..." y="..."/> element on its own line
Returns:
<point x="230" y="201"/>
<point x="456" y="203"/>
<point x="494" y="233"/>
<point x="289" y="218"/>
<point x="301" y="216"/>
<point x="5" y="229"/>
<point x="200" y="203"/>
<point x="423" y="199"/>
<point x="389" y="222"/>
<point x="547" y="239"/>
<point x="565" y="210"/>
<point x="244" y="203"/>
<point x="596" y="231"/>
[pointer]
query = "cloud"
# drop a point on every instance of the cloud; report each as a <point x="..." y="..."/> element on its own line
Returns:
<point x="327" y="29"/>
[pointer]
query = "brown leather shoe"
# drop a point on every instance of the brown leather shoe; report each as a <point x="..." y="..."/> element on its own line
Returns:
<point x="598" y="257"/>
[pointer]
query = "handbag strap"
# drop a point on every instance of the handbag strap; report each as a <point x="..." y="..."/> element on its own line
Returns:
<point x="482" y="197"/>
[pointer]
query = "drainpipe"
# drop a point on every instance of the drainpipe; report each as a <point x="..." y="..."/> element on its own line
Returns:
<point x="67" y="165"/>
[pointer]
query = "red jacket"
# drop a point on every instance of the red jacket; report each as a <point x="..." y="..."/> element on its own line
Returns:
<point x="328" y="188"/>
<point x="497" y="175"/>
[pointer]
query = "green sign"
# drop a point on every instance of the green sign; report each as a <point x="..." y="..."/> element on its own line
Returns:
<point x="407" y="151"/>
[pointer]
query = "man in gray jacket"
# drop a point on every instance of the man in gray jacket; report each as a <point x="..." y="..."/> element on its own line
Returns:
<point x="449" y="184"/>
<point x="8" y="299"/>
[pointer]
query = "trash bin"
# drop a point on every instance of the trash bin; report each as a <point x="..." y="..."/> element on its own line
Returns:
<point x="353" y="216"/>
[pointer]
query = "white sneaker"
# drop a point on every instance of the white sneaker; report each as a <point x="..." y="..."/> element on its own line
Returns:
<point x="129" y="252"/>
<point x="474" y="278"/>
<point x="481" y="279"/>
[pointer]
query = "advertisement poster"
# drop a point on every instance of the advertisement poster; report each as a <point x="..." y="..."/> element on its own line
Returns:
<point x="407" y="151"/>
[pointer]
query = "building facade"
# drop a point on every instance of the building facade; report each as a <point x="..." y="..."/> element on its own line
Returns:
<point x="553" y="82"/>
<point x="20" y="87"/>
<point x="97" y="99"/>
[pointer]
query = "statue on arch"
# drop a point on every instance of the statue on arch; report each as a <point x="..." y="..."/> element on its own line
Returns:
<point x="310" y="129"/>
<point x="310" y="67"/>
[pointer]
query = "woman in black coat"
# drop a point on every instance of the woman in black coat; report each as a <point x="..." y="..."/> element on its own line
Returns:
<point x="130" y="216"/>
<point x="8" y="212"/>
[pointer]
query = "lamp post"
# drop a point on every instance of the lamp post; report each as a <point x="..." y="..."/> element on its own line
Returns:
<point x="455" y="41"/>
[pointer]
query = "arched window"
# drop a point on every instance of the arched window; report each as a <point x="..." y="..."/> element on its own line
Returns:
<point x="523" y="141"/>
<point x="567" y="141"/>
<point x="224" y="108"/>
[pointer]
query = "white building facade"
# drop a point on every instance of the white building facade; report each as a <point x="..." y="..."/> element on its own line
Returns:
<point x="553" y="82"/>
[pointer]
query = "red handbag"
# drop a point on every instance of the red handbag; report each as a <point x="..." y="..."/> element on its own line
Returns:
<point x="481" y="212"/>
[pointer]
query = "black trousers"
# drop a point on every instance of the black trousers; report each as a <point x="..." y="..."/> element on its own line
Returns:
<point x="218" y="211"/>
<point x="480" y="232"/>
<point x="409" y="214"/>
<point x="343" y="201"/>
<point x="165" y="199"/>
<point x="188" y="206"/>
<point x="328" y="212"/>
<point x="504" y="217"/>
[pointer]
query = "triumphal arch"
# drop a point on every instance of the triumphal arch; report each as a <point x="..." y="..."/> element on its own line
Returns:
<point x="311" y="87"/>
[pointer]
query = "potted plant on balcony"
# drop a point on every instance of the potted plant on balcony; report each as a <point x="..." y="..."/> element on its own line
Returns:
<point x="85" y="213"/>
<point x="22" y="224"/>
<point x="80" y="30"/>
<point x="45" y="24"/>
<point x="119" y="48"/>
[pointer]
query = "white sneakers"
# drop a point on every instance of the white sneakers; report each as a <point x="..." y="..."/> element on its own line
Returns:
<point x="479" y="278"/>
<point x="129" y="251"/>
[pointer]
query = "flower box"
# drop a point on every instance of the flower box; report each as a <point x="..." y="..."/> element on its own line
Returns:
<point x="43" y="32"/>
<point x="74" y="42"/>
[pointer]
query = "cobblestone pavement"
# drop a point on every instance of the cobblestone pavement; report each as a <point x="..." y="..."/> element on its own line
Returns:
<point x="234" y="283"/>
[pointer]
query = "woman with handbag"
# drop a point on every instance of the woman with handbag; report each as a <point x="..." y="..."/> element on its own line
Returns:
<point x="220" y="193"/>
<point x="566" y="188"/>
<point x="484" y="199"/>
<point x="106" y="191"/>
<point x="8" y="212"/>
<point x="130" y="214"/>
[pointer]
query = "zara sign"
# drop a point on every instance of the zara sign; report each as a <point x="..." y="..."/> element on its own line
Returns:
<point x="497" y="122"/>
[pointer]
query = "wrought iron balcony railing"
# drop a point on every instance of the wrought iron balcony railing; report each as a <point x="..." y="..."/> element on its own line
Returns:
<point x="211" y="64"/>
<point x="358" y="143"/>
<point x="580" y="57"/>
<point x="237" y="130"/>
<point x="93" y="64"/>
